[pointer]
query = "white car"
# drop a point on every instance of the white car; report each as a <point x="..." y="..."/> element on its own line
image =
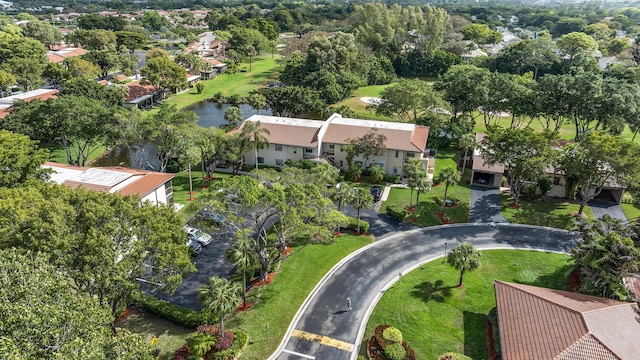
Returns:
<point x="198" y="235"/>
<point x="194" y="246"/>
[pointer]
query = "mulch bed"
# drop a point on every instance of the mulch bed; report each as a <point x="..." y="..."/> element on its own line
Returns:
<point x="245" y="307"/>
<point x="441" y="217"/>
<point x="575" y="214"/>
<point x="574" y="280"/>
<point x="410" y="209"/>
<point x="514" y="206"/>
<point x="270" y="278"/>
<point x="124" y="314"/>
<point x="337" y="234"/>
<point x="287" y="251"/>
<point x="490" y="345"/>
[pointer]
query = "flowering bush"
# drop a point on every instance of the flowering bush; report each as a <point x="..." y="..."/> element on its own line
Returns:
<point x="224" y="341"/>
<point x="211" y="330"/>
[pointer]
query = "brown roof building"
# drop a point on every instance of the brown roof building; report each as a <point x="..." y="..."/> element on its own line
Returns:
<point x="41" y="94"/>
<point x="545" y="324"/>
<point x="148" y="185"/>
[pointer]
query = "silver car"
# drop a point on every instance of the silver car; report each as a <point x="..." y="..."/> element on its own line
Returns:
<point x="198" y="235"/>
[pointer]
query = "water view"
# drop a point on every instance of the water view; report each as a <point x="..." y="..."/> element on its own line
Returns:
<point x="212" y="113"/>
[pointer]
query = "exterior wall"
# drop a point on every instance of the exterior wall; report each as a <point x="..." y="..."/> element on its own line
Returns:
<point x="558" y="190"/>
<point x="270" y="154"/>
<point x="157" y="196"/>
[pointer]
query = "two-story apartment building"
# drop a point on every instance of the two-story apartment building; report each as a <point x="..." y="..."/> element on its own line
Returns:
<point x="296" y="139"/>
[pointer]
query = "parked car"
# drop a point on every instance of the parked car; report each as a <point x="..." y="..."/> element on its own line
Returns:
<point x="195" y="246"/>
<point x="482" y="181"/>
<point x="376" y="191"/>
<point x="208" y="213"/>
<point x="198" y="235"/>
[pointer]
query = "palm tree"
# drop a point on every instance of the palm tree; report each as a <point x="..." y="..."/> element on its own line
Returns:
<point x="413" y="169"/>
<point x="219" y="297"/>
<point x="355" y="172"/>
<point x="377" y="174"/>
<point x="256" y="133"/>
<point x="423" y="184"/>
<point x="467" y="142"/>
<point x="343" y="194"/>
<point x="243" y="254"/>
<point x="361" y="199"/>
<point x="464" y="258"/>
<point x="447" y="176"/>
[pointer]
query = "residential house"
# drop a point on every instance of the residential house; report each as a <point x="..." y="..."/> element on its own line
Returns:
<point x="150" y="186"/>
<point x="483" y="173"/>
<point x="41" y="94"/>
<point x="539" y="323"/>
<point x="59" y="54"/>
<point x="142" y="96"/>
<point x="296" y="139"/>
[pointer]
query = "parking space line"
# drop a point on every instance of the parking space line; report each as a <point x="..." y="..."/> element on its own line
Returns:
<point x="298" y="354"/>
<point x="324" y="340"/>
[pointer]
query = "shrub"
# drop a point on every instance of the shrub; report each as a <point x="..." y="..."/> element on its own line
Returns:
<point x="378" y="336"/>
<point x="453" y="356"/>
<point x="182" y="353"/>
<point x="396" y="212"/>
<point x="212" y="330"/>
<point x="224" y="341"/>
<point x="174" y="313"/>
<point x="392" y="335"/>
<point x="353" y="225"/>
<point x="219" y="98"/>
<point x="531" y="191"/>
<point x="544" y="184"/>
<point x="301" y="164"/>
<point x="395" y="351"/>
<point x="199" y="87"/>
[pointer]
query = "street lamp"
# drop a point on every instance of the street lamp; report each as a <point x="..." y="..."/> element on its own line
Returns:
<point x="445" y="252"/>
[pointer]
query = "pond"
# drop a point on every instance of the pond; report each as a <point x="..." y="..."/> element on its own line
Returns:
<point x="212" y="113"/>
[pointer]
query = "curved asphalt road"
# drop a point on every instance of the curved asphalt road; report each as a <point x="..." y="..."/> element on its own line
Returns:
<point x="322" y="329"/>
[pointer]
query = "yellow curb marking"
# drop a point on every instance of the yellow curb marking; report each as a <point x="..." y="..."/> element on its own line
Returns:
<point x="323" y="340"/>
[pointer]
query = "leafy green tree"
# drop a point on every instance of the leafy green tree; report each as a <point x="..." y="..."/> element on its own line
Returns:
<point x="481" y="34"/>
<point x="291" y="101"/>
<point x="537" y="55"/>
<point x="466" y="142"/>
<point x="153" y="21"/>
<point x="83" y="87"/>
<point x="7" y="80"/>
<point x="99" y="22"/>
<point x="464" y="258"/>
<point x="465" y="87"/>
<point x="576" y="42"/>
<point x="106" y="59"/>
<point x="55" y="74"/>
<point x="42" y="301"/>
<point x="233" y="116"/>
<point x="28" y="72"/>
<point x="524" y="153"/>
<point x="407" y="100"/>
<point x="377" y="174"/>
<point x="44" y="32"/>
<point x="220" y="297"/>
<point x="242" y="253"/>
<point x="257" y="101"/>
<point x="164" y="74"/>
<point x="20" y="47"/>
<point x="603" y="262"/>
<point x="361" y="200"/>
<point x="597" y="160"/>
<point x="210" y="142"/>
<point x="20" y="159"/>
<point x="93" y="39"/>
<point x="131" y="40"/>
<point x="369" y="145"/>
<point x="80" y="68"/>
<point x="343" y="194"/>
<point x="448" y="176"/>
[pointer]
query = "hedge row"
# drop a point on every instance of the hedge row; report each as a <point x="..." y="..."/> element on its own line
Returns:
<point x="353" y="225"/>
<point x="174" y="313"/>
<point x="396" y="212"/>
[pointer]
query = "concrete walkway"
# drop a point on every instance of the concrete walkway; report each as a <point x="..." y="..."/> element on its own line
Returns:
<point x="485" y="205"/>
<point x="323" y="329"/>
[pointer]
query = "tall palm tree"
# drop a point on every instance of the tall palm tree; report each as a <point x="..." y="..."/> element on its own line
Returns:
<point x="423" y="184"/>
<point x="219" y="297"/>
<point x="447" y="176"/>
<point x="377" y="174"/>
<point x="466" y="142"/>
<point x="343" y="194"/>
<point x="243" y="254"/>
<point x="413" y="170"/>
<point x="361" y="199"/>
<point x="253" y="131"/>
<point x="464" y="258"/>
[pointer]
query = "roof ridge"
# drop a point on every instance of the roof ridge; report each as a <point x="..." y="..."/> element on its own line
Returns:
<point x="589" y="334"/>
<point x="544" y="299"/>
<point x="608" y="307"/>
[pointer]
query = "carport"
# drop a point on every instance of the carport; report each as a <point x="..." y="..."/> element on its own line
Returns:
<point x="483" y="174"/>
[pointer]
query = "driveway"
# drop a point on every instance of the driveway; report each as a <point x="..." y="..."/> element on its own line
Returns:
<point x="323" y="329"/>
<point x="601" y="209"/>
<point x="210" y="262"/>
<point x="485" y="205"/>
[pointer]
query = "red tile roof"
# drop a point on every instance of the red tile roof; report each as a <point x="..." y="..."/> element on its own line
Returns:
<point x="539" y="323"/>
<point x="137" y="90"/>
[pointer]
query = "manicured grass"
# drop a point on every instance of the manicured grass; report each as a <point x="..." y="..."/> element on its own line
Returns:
<point x="632" y="211"/>
<point x="360" y="107"/>
<point x="435" y="316"/>
<point x="277" y="303"/>
<point x="181" y="185"/>
<point x="170" y="336"/>
<point x="263" y="69"/>
<point x="57" y="154"/>
<point x="428" y="209"/>
<point x="536" y="212"/>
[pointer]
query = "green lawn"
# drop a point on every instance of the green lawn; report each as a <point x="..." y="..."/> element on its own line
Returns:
<point x="428" y="209"/>
<point x="277" y="303"/>
<point x="360" y="107"/>
<point x="632" y="211"/>
<point x="170" y="336"/>
<point x="435" y="316"/>
<point x="57" y="154"/>
<point x="536" y="212"/>
<point x="263" y="69"/>
<point x="181" y="185"/>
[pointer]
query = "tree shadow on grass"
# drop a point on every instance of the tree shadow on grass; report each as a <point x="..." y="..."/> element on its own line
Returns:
<point x="475" y="339"/>
<point x="559" y="279"/>
<point x="427" y="291"/>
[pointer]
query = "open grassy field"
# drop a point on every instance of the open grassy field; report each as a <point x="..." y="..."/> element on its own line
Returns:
<point x="536" y="212"/>
<point x="264" y="69"/>
<point x="632" y="211"/>
<point x="435" y="316"/>
<point x="170" y="336"/>
<point x="360" y="107"/>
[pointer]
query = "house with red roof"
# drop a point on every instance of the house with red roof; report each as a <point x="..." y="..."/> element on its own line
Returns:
<point x="544" y="324"/>
<point x="41" y="94"/>
<point x="317" y="140"/>
<point x="151" y="186"/>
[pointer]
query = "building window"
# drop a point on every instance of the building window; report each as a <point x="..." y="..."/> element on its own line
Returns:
<point x="168" y="188"/>
<point x="410" y="155"/>
<point x="379" y="164"/>
<point x="556" y="180"/>
<point x="295" y="150"/>
<point x="278" y="147"/>
<point x="260" y="160"/>
<point x="308" y="150"/>
<point x="395" y="169"/>
<point x="260" y="146"/>
<point x="331" y="146"/>
<point x="397" y="153"/>
<point x="341" y="163"/>
<point x="279" y="162"/>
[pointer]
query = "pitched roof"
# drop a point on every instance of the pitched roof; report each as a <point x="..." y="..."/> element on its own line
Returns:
<point x="137" y="90"/>
<point x="539" y="323"/>
<point x="110" y="179"/>
<point x="41" y="94"/>
<point x="287" y="131"/>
